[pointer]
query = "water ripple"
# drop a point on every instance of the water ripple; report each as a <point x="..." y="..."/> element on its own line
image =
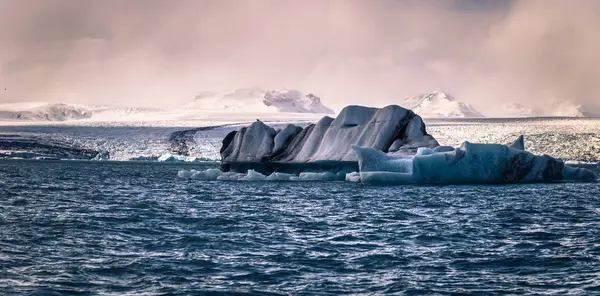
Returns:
<point x="135" y="229"/>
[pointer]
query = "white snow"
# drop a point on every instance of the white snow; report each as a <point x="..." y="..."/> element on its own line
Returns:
<point x="237" y="106"/>
<point x="259" y="100"/>
<point x="440" y="105"/>
<point x="295" y="101"/>
<point x="52" y="112"/>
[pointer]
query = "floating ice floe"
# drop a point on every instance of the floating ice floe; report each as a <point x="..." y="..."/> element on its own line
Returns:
<point x="468" y="164"/>
<point x="252" y="175"/>
<point x="168" y="157"/>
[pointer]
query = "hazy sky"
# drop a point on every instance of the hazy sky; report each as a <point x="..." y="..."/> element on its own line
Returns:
<point x="371" y="52"/>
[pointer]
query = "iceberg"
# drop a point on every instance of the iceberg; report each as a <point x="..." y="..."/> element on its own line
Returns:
<point x="468" y="164"/>
<point x="387" y="145"/>
<point x="330" y="139"/>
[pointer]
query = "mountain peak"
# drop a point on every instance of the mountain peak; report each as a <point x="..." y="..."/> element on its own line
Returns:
<point x="295" y="101"/>
<point x="439" y="95"/>
<point x="439" y="104"/>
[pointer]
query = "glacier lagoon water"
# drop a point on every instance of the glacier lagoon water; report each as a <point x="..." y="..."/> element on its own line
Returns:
<point x="107" y="228"/>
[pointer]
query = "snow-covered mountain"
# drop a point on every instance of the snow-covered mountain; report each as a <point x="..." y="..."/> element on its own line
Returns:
<point x="295" y="101"/>
<point x="258" y="100"/>
<point x="440" y="105"/>
<point x="52" y="112"/>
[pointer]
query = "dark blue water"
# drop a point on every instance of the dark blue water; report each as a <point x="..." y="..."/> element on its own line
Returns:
<point x="130" y="229"/>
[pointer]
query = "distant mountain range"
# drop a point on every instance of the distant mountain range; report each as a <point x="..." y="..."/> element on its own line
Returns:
<point x="239" y="101"/>
<point x="255" y="99"/>
<point x="437" y="104"/>
<point x="52" y="112"/>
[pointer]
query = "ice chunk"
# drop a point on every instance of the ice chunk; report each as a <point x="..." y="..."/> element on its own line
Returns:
<point x="470" y="164"/>
<point x="231" y="176"/>
<point x="185" y="174"/>
<point x="168" y="157"/>
<point x="280" y="177"/>
<point x="253" y="175"/>
<point x="518" y="144"/>
<point x="207" y="175"/>
<point x="312" y="176"/>
<point x="101" y="156"/>
<point x="353" y="177"/>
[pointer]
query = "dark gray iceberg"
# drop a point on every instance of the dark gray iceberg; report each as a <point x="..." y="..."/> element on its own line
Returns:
<point x="328" y="142"/>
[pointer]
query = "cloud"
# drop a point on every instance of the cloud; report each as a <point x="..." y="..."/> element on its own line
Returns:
<point x="347" y="51"/>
